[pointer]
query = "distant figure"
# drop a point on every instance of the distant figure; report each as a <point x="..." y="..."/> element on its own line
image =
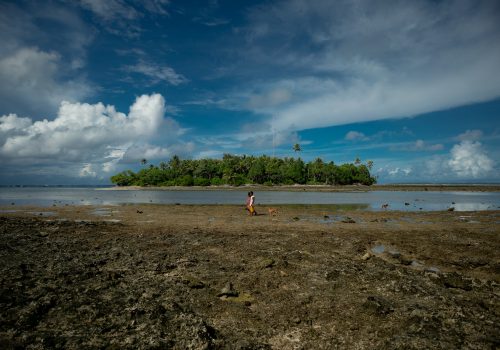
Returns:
<point x="250" y="204"/>
<point x="385" y="206"/>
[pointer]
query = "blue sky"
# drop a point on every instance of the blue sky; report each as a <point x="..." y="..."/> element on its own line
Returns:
<point x="89" y="88"/>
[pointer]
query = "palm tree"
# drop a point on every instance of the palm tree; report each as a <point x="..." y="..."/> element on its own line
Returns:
<point x="297" y="148"/>
<point x="369" y="164"/>
<point x="144" y="161"/>
<point x="357" y="161"/>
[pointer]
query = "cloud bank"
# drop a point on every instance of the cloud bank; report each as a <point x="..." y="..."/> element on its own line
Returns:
<point x="347" y="62"/>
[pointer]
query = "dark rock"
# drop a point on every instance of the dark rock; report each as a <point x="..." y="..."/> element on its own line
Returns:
<point x="193" y="282"/>
<point x="378" y="305"/>
<point x="454" y="280"/>
<point x="348" y="220"/>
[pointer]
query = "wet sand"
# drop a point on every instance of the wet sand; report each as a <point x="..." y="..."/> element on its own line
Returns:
<point x="211" y="277"/>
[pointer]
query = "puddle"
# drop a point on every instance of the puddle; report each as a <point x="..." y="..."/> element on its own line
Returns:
<point x="43" y="213"/>
<point x="328" y="219"/>
<point x="112" y="220"/>
<point x="101" y="212"/>
<point x="433" y="269"/>
<point x="416" y="264"/>
<point x="381" y="248"/>
<point x="378" y="249"/>
<point x="8" y="211"/>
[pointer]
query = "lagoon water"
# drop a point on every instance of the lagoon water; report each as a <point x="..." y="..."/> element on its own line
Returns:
<point x="397" y="200"/>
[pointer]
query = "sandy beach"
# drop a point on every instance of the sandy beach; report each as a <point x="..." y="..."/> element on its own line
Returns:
<point x="211" y="277"/>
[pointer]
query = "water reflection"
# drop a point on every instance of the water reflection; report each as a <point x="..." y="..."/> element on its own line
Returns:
<point x="396" y="200"/>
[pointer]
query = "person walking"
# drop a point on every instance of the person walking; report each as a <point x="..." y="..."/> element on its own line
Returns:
<point x="251" y="204"/>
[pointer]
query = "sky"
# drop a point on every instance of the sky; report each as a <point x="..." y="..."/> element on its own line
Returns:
<point x="89" y="88"/>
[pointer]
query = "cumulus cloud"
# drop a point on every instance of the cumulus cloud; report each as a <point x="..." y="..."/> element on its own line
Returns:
<point x="95" y="136"/>
<point x="41" y="65"/>
<point x="31" y="81"/>
<point x="468" y="159"/>
<point x="340" y="71"/>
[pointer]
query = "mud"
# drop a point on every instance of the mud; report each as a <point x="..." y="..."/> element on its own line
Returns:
<point x="210" y="277"/>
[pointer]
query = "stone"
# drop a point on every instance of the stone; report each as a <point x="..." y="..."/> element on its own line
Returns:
<point x="378" y="305"/>
<point x="348" y="220"/>
<point x="228" y="291"/>
<point x="266" y="263"/>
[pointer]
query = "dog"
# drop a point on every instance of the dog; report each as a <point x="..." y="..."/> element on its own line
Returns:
<point x="385" y="206"/>
<point x="273" y="211"/>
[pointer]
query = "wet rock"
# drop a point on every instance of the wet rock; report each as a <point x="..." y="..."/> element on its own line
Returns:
<point x="404" y="260"/>
<point x="378" y="305"/>
<point x="43" y="234"/>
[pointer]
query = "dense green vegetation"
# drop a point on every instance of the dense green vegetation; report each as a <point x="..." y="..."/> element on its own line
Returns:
<point x="240" y="170"/>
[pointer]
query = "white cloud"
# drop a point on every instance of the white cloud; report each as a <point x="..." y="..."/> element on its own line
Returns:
<point x="157" y="73"/>
<point x="111" y="9"/>
<point x="272" y="98"/>
<point x="366" y="61"/>
<point x="95" y="136"/>
<point x="355" y="136"/>
<point x="87" y="171"/>
<point x="421" y="145"/>
<point x="469" y="160"/>
<point x="31" y="80"/>
<point x="399" y="171"/>
<point x="470" y="135"/>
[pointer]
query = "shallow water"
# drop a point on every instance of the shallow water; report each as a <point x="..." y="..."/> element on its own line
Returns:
<point x="397" y="200"/>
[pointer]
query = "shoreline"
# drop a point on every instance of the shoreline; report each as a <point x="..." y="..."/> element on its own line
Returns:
<point x="320" y="188"/>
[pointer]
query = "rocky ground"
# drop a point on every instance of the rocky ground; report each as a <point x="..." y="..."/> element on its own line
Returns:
<point x="210" y="277"/>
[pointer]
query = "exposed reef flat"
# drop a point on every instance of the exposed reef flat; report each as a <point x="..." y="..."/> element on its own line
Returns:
<point x="211" y="277"/>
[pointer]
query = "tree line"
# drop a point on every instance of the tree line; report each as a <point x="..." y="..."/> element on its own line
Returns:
<point x="239" y="170"/>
